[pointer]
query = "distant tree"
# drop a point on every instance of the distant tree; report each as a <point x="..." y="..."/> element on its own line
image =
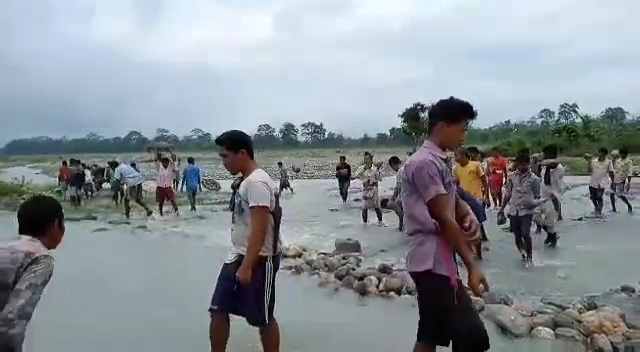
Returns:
<point x="266" y="136"/>
<point x="289" y="134"/>
<point x="312" y="132"/>
<point x="413" y="121"/>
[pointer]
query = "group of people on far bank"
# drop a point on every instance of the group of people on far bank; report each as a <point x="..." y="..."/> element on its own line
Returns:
<point x="126" y="182"/>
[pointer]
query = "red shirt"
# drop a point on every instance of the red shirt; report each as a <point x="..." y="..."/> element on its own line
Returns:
<point x="64" y="174"/>
<point x="497" y="169"/>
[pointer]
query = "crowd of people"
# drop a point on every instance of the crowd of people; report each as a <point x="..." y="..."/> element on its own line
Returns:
<point x="440" y="205"/>
<point x="79" y="181"/>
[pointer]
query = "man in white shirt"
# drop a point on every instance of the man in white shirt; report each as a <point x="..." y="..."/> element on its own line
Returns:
<point x="246" y="283"/>
<point x="623" y="167"/>
<point x="132" y="179"/>
<point x="599" y="168"/>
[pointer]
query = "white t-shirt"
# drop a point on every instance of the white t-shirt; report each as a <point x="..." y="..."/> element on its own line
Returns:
<point x="257" y="190"/>
<point x="128" y="175"/>
<point x="600" y="172"/>
<point x="88" y="178"/>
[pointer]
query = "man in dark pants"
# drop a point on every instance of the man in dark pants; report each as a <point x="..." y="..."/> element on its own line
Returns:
<point x="438" y="225"/>
<point x="343" y="174"/>
<point x="246" y="283"/>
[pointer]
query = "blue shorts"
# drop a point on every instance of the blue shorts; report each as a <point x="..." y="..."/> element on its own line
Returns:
<point x="255" y="301"/>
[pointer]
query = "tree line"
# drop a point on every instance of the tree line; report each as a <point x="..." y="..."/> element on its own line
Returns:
<point x="574" y="131"/>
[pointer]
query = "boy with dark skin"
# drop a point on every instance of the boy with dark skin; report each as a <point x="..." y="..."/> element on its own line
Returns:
<point x="623" y="167"/>
<point x="343" y="174"/>
<point x="246" y="283"/>
<point x="599" y="169"/>
<point x="438" y="225"/>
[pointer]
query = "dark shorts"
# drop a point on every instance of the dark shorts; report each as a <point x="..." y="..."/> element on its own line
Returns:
<point x="447" y="315"/>
<point x="165" y="194"/>
<point x="596" y="193"/>
<point x="522" y="225"/>
<point x="134" y="192"/>
<point x="284" y="184"/>
<point x="255" y="301"/>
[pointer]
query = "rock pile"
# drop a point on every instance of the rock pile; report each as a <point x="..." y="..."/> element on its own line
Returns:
<point x="597" y="327"/>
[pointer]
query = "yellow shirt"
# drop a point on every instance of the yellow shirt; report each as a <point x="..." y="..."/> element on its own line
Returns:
<point x="470" y="178"/>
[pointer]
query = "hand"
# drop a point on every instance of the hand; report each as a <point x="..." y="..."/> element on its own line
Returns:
<point x="181" y="189"/>
<point x="243" y="275"/>
<point x="470" y="225"/>
<point x="477" y="282"/>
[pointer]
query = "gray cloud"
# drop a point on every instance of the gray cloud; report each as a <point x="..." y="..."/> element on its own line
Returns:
<point x="109" y="66"/>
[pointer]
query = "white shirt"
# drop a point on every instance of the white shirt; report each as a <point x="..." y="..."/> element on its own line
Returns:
<point x="88" y="178"/>
<point x="600" y="172"/>
<point x="257" y="190"/>
<point x="128" y="175"/>
<point x="557" y="185"/>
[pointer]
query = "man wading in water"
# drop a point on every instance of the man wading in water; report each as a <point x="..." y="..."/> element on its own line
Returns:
<point x="438" y="225"/>
<point x="370" y="177"/>
<point x="132" y="179"/>
<point x="284" y="178"/>
<point x="343" y="174"/>
<point x="246" y="283"/>
<point x="599" y="169"/>
<point x="497" y="166"/>
<point x="27" y="267"/>
<point x="165" y="185"/>
<point x="191" y="178"/>
<point x="623" y="167"/>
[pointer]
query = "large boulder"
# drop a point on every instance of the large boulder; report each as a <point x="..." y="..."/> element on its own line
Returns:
<point x="568" y="319"/>
<point x="507" y="319"/>
<point x="492" y="297"/>
<point x="391" y="284"/>
<point x="600" y="343"/>
<point x="543" y="320"/>
<point x="347" y="245"/>
<point x="602" y="322"/>
<point x="542" y="332"/>
<point x="571" y="335"/>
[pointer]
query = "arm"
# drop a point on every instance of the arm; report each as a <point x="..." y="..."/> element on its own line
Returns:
<point x="590" y="166"/>
<point x="337" y="171"/>
<point x="22" y="302"/>
<point x="507" y="194"/>
<point x="428" y="181"/>
<point x="611" y="171"/>
<point x="199" y="179"/>
<point x="184" y="179"/>
<point x="454" y="171"/>
<point x="259" y="198"/>
<point x="485" y="182"/>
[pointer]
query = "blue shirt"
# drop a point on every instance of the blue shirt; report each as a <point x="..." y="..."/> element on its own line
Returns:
<point x="191" y="175"/>
<point x="476" y="207"/>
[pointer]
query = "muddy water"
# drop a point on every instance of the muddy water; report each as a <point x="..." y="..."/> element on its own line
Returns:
<point x="147" y="289"/>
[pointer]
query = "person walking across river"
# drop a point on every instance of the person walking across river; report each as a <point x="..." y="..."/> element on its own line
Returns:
<point x="27" y="266"/>
<point x="343" y="174"/>
<point x="191" y="179"/>
<point x="246" y="283"/>
<point x="133" y="181"/>
<point x="64" y="177"/>
<point x="600" y="169"/>
<point x="370" y="176"/>
<point x="438" y="225"/>
<point x="497" y="165"/>
<point x="396" y="165"/>
<point x="622" y="172"/>
<point x="472" y="179"/>
<point x="285" y="183"/>
<point x="164" y="185"/>
<point x="77" y="182"/>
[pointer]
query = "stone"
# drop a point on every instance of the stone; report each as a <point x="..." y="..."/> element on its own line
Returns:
<point x="385" y="268"/>
<point x="602" y="322"/>
<point x="301" y="268"/>
<point x="600" y="343"/>
<point x="583" y="305"/>
<point x="372" y="283"/>
<point x="81" y="217"/>
<point x="478" y="303"/>
<point x="292" y="251"/>
<point x="360" y="287"/>
<point x="391" y="284"/>
<point x="632" y="346"/>
<point x="348" y="282"/>
<point x="631" y="334"/>
<point x="406" y="279"/>
<point x="347" y="245"/>
<point x="100" y="229"/>
<point x="571" y="335"/>
<point x="332" y="263"/>
<point x="547" y="309"/>
<point x="567" y="319"/>
<point x="118" y="222"/>
<point x="142" y="227"/>
<point x="543" y="320"/>
<point x="325" y="279"/>
<point x="617" y="343"/>
<point x="507" y="319"/>
<point x="492" y="297"/>
<point x="542" y="332"/>
<point x="628" y="289"/>
<point x="558" y="302"/>
<point x="342" y="272"/>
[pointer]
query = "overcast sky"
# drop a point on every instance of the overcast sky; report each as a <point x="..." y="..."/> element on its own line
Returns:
<point x="68" y="67"/>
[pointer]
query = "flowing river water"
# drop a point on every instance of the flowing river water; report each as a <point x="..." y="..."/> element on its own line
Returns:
<point x="145" y="286"/>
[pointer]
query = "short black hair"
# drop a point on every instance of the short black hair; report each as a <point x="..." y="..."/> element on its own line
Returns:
<point x="343" y="157"/>
<point x="394" y="160"/>
<point x="279" y="163"/>
<point x="64" y="162"/>
<point x="37" y="214"/>
<point x="133" y="164"/>
<point x="450" y="111"/>
<point x="473" y="150"/>
<point x="113" y="164"/>
<point x="464" y="151"/>
<point x="603" y="150"/>
<point x="191" y="160"/>
<point x="235" y="141"/>
<point x="522" y="158"/>
<point x="624" y="151"/>
<point x="550" y="151"/>
<point x="164" y="159"/>
<point x="367" y="154"/>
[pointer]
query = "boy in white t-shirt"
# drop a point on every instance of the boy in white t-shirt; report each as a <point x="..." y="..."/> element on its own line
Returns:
<point x="600" y="169"/>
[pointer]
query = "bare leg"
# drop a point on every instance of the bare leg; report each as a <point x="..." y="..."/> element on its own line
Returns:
<point x="365" y="216"/>
<point x="270" y="337"/>
<point x="219" y="332"/>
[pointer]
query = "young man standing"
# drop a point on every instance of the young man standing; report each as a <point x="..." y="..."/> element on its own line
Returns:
<point x="623" y="167"/>
<point x="246" y="283"/>
<point x="438" y="225"/>
<point x="497" y="166"/>
<point x="165" y="185"/>
<point x="343" y="174"/>
<point x="522" y="194"/>
<point x="64" y="177"/>
<point x="191" y="178"/>
<point x="470" y="176"/>
<point x="599" y="169"/>
<point x="396" y="165"/>
<point x="132" y="179"/>
<point x="27" y="266"/>
<point x="284" y="178"/>
<point x="77" y="182"/>
<point x="370" y="176"/>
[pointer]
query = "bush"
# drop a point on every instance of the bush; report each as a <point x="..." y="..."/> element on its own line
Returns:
<point x="11" y="190"/>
